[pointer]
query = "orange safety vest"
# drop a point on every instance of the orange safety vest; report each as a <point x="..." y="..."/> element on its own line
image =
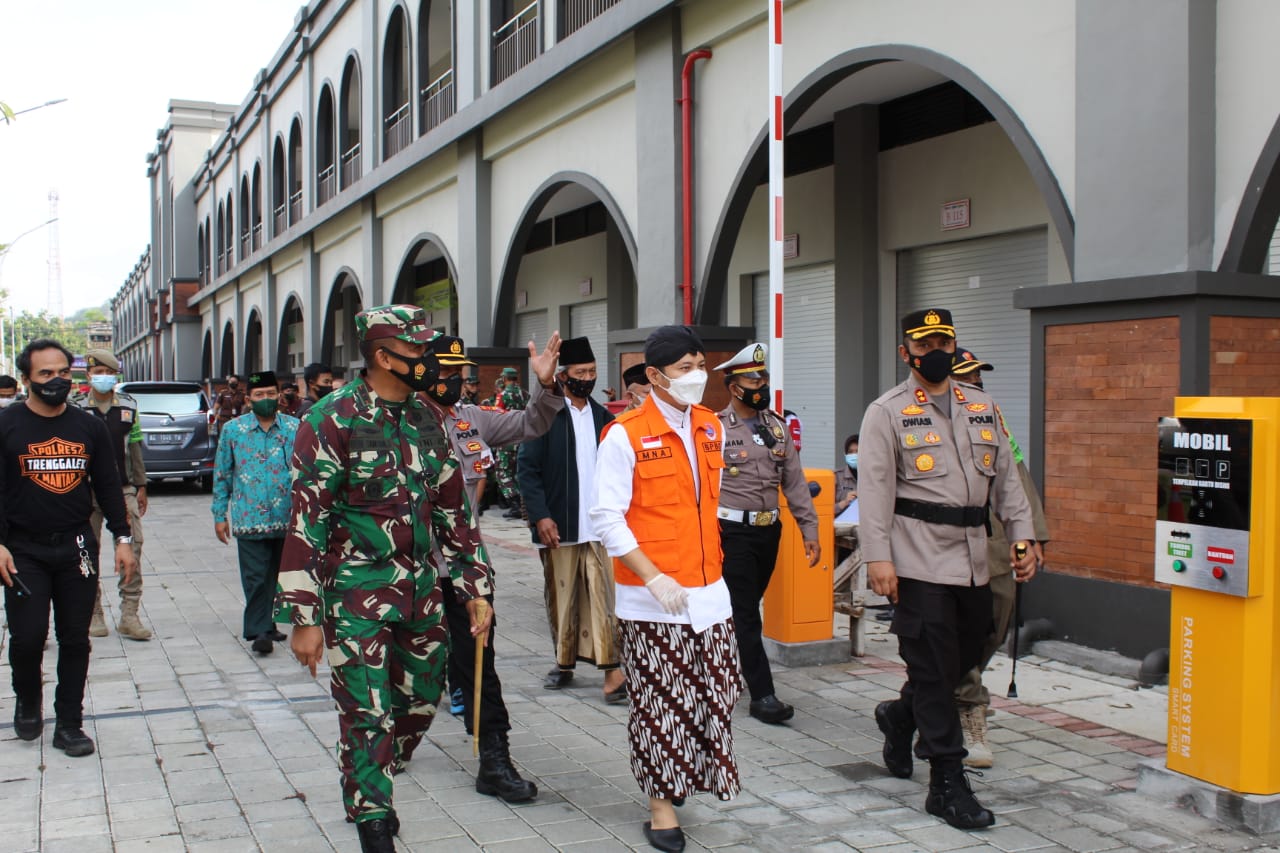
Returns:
<point x="679" y="532"/>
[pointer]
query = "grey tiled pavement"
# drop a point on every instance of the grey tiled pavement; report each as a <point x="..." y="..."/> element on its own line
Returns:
<point x="204" y="746"/>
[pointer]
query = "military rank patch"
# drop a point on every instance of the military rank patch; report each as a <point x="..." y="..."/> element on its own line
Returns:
<point x="977" y="407"/>
<point x="911" y="439"/>
<point x="986" y="460"/>
<point x="913" y="409"/>
<point x="921" y="397"/>
<point x="478" y="466"/>
<point x="986" y="435"/>
<point x="474" y="446"/>
<point x="932" y="438"/>
<point x="924" y="462"/>
<point x="960" y="397"/>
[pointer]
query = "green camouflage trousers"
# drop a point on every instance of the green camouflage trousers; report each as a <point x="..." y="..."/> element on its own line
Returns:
<point x="386" y="678"/>
<point x="505" y="468"/>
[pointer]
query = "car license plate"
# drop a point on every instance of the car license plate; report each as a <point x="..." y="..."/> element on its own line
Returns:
<point x="166" y="438"/>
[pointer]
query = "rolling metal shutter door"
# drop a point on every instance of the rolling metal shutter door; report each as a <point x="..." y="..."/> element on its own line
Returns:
<point x="975" y="279"/>
<point x="530" y="326"/>
<point x="590" y="320"/>
<point x="1273" y="255"/>
<point x="809" y="328"/>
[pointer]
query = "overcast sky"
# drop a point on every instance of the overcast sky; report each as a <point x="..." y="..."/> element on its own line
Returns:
<point x="118" y="64"/>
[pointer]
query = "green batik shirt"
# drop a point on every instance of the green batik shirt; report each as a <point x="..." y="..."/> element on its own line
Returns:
<point x="374" y="484"/>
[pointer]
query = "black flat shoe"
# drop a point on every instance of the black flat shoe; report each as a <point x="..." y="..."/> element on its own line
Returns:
<point x="664" y="839"/>
<point x="558" y="679"/>
<point x="262" y="644"/>
<point x="27" y="722"/>
<point x="278" y="636"/>
<point x="677" y="801"/>
<point x="771" y="710"/>
<point x="616" y="697"/>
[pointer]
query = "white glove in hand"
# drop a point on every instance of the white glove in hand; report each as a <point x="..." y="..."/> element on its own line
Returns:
<point x="673" y="597"/>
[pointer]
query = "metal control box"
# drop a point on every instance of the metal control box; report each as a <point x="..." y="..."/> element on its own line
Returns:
<point x="1203" y="504"/>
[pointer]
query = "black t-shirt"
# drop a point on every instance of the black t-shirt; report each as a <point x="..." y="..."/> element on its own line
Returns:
<point x="48" y="467"/>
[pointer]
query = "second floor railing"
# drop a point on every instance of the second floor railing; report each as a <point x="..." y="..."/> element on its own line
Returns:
<point x="221" y="265"/>
<point x="437" y="100"/>
<point x="326" y="184"/>
<point x="295" y="205"/>
<point x="399" y="133"/>
<point x="244" y="244"/>
<point x="578" y="13"/>
<point x="516" y="43"/>
<point x="278" y="220"/>
<point x="257" y="235"/>
<point x="351" y="165"/>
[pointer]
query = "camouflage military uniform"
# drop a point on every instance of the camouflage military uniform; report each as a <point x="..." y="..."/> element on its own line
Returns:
<point x="374" y="487"/>
<point x="512" y="399"/>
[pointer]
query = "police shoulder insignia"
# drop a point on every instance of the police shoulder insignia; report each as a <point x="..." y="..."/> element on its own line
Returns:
<point x="913" y="409"/>
<point x="777" y="431"/>
<point x="463" y="425"/>
<point x="960" y="397"/>
<point x="924" y="462"/>
<point x="911" y="439"/>
<point x="932" y="438"/>
<point x="921" y="397"/>
<point x="977" y="407"/>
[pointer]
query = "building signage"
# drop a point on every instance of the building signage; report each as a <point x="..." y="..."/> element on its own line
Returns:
<point x="790" y="247"/>
<point x="955" y="214"/>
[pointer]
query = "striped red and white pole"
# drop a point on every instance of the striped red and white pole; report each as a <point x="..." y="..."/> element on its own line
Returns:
<point x="775" y="202"/>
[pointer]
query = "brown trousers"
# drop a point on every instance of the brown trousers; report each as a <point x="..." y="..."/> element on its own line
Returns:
<point x="579" y="596"/>
<point x="132" y="589"/>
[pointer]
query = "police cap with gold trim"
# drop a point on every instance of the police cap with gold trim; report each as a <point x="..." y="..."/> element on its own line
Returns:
<point x="451" y="351"/>
<point x="930" y="321"/>
<point x="751" y="361"/>
<point x="967" y="363"/>
<point x="406" y="322"/>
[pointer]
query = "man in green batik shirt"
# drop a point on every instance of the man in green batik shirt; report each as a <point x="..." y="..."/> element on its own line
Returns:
<point x="374" y="486"/>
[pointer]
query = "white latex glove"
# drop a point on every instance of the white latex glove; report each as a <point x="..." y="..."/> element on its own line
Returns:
<point x="673" y="597"/>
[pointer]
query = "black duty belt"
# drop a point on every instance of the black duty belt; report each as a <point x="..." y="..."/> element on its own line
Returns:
<point x="959" y="516"/>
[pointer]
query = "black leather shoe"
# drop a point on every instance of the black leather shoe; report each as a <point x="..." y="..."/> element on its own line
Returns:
<point x="27" y="722"/>
<point x="558" y="679"/>
<point x="375" y="836"/>
<point x="393" y="821"/>
<point x="72" y="740"/>
<point x="664" y="839"/>
<point x="278" y="636"/>
<point x="262" y="644"/>
<point x="897" y="742"/>
<point x="771" y="710"/>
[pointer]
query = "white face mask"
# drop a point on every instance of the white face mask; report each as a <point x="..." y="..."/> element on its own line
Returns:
<point x="7" y="401"/>
<point x="687" y="389"/>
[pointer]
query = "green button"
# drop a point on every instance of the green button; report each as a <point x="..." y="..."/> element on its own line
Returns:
<point x="1179" y="566"/>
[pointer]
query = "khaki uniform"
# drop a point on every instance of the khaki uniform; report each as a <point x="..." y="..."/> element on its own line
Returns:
<point x="927" y="471"/>
<point x="759" y="458"/>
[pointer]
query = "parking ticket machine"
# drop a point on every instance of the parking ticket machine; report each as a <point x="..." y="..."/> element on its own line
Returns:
<point x="1215" y="544"/>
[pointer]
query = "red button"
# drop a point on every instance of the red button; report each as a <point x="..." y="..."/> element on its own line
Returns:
<point x="1219" y="572"/>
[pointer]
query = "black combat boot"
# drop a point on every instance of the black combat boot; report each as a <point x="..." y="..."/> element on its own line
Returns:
<point x="497" y="776"/>
<point x="375" y="836"/>
<point x="951" y="798"/>
<point x="27" y="721"/>
<point x="897" y="740"/>
<point x="71" y="739"/>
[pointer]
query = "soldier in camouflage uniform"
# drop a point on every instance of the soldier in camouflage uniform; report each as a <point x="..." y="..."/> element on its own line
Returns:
<point x="512" y="398"/>
<point x="376" y="494"/>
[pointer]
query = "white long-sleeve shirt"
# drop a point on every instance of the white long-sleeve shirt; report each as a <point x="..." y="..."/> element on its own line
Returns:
<point x="615" y="470"/>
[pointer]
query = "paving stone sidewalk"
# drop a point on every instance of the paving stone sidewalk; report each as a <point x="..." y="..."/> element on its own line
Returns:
<point x="204" y="746"/>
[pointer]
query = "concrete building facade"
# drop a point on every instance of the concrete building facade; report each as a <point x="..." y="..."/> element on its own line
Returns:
<point x="1091" y="186"/>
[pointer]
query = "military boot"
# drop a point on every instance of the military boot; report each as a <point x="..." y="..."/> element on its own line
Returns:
<point x="375" y="836"/>
<point x="973" y="722"/>
<point x="98" y="624"/>
<point x="951" y="798"/>
<point x="497" y="776"/>
<point x="129" y="624"/>
<point x="897" y="740"/>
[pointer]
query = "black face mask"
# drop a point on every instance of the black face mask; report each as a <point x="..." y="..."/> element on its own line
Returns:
<point x="320" y="390"/>
<point x="447" y="390"/>
<point x="934" y="366"/>
<point x="580" y="388"/>
<point x="423" y="370"/>
<point x="54" y="392"/>
<point x="757" y="399"/>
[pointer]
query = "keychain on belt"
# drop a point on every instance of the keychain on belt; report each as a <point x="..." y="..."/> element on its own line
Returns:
<point x="86" y="562"/>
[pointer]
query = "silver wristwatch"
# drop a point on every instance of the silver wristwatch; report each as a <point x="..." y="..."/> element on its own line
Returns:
<point x="124" y="540"/>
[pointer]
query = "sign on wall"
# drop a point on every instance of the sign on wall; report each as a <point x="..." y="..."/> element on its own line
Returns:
<point x="955" y="214"/>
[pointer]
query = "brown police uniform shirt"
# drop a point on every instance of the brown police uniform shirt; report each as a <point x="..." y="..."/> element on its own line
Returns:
<point x="753" y="472"/>
<point x="910" y="448"/>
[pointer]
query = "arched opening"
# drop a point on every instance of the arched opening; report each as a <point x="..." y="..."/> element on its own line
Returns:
<point x="295" y="172"/>
<point x="426" y="279"/>
<point x="206" y="356"/>
<point x="570" y="265"/>
<point x="339" y="347"/>
<point x="888" y="149"/>
<point x="257" y="205"/>
<point x="291" y="352"/>
<point x="222" y="261"/>
<point x="279" y="194"/>
<point x="208" y="256"/>
<point x="326" y="161"/>
<point x="229" y="250"/>
<point x="228" y="350"/>
<point x="200" y="255"/>
<point x="1253" y="246"/>
<point x="253" y="343"/>
<point x="349" y="123"/>
<point x="246" y="215"/>
<point x="435" y="62"/>
<point x="395" y="85"/>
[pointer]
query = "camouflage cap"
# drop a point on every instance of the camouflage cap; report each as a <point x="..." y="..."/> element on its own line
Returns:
<point x="406" y="322"/>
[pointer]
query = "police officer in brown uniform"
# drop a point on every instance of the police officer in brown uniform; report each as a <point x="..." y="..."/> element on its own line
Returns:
<point x="932" y="461"/>
<point x="759" y="456"/>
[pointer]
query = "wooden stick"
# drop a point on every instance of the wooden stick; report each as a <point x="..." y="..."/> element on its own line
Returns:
<point x="482" y="611"/>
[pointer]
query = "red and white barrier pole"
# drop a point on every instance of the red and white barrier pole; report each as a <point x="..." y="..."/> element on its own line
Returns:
<point x="775" y="202"/>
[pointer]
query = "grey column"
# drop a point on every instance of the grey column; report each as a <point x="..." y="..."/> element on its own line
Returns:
<point x="271" y="330"/>
<point x="1144" y="137"/>
<point x="657" y="229"/>
<point x="475" y="273"/>
<point x="313" y="310"/>
<point x="376" y="291"/>
<point x="857" y="256"/>
<point x="468" y="46"/>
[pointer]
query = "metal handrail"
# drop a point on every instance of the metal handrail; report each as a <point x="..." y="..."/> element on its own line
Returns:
<point x="327" y="183"/>
<point x="520" y="46"/>
<point x="515" y="19"/>
<point x="295" y="206"/>
<point x="351" y="165"/>
<point x="279" y="223"/>
<point x="257" y="234"/>
<point x="579" y="13"/>
<point x="437" y="100"/>
<point x="398" y="132"/>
